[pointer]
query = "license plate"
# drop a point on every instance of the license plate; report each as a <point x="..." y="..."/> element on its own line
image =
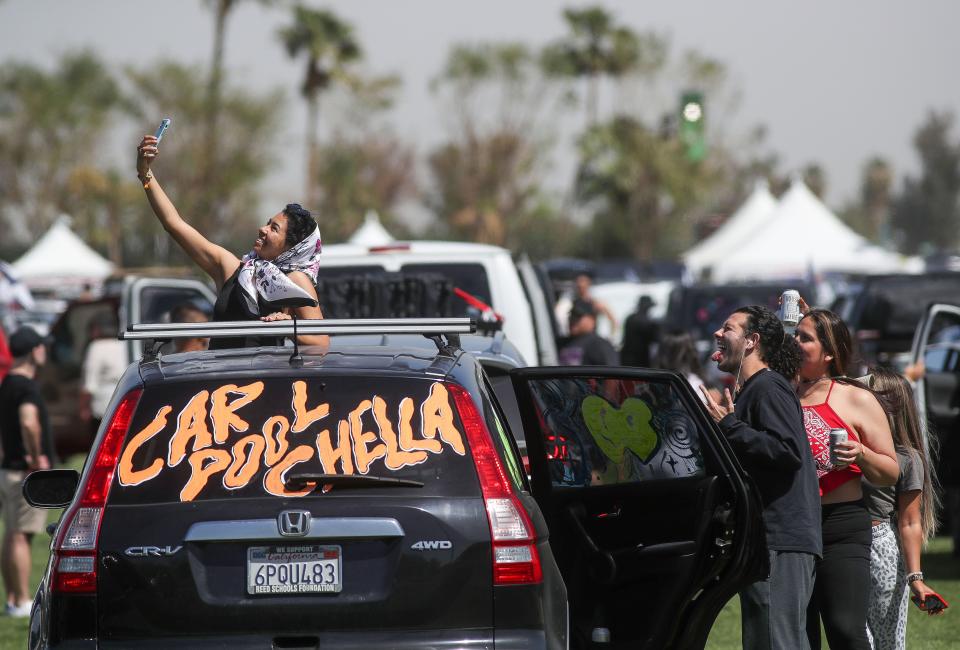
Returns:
<point x="293" y="569"/>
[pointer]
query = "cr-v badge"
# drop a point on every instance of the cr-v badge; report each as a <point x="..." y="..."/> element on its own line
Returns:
<point x="151" y="551"/>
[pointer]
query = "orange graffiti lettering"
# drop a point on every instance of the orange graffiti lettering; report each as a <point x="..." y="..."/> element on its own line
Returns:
<point x="276" y="441"/>
<point x="329" y="455"/>
<point x="245" y="463"/>
<point x="438" y="418"/>
<point x="407" y="443"/>
<point x="191" y="423"/>
<point x="363" y="454"/>
<point x="203" y="465"/>
<point x="395" y="457"/>
<point x="273" y="481"/>
<point x="224" y="416"/>
<point x="130" y="476"/>
<point x="304" y="417"/>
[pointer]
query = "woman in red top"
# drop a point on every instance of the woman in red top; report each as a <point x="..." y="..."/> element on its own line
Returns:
<point x="830" y="400"/>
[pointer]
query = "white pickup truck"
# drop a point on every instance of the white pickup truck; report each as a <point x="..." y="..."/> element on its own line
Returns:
<point x="485" y="272"/>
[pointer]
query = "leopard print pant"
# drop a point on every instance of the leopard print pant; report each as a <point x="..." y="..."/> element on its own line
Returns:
<point x="887" y="615"/>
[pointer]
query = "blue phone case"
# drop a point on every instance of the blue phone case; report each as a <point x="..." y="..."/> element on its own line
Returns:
<point x="164" y="124"/>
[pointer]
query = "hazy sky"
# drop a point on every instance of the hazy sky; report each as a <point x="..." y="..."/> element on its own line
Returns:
<point x="835" y="82"/>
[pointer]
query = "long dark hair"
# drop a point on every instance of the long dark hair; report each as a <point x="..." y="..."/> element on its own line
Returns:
<point x="677" y="351"/>
<point x="908" y="431"/>
<point x="778" y="350"/>
<point x="835" y="339"/>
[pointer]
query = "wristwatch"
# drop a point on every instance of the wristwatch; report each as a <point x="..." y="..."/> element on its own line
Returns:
<point x="913" y="577"/>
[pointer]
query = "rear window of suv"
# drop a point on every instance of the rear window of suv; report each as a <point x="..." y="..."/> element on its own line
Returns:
<point x="214" y="439"/>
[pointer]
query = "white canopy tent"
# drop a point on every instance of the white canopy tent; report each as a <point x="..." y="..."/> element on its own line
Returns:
<point x="60" y="258"/>
<point x="802" y="236"/>
<point x="371" y="232"/>
<point x="750" y="217"/>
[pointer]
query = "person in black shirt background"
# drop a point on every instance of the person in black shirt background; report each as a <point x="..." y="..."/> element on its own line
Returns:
<point x="25" y="433"/>
<point x="584" y="347"/>
<point x="764" y="426"/>
<point x="640" y="332"/>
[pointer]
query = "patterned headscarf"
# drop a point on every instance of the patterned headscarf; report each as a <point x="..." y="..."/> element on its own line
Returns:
<point x="268" y="278"/>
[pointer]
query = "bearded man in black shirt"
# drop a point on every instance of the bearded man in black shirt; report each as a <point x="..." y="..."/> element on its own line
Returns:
<point x="764" y="425"/>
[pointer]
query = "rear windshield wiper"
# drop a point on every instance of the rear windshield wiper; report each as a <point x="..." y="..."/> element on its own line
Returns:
<point x="300" y="481"/>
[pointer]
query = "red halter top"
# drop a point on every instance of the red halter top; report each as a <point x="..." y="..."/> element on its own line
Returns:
<point x="818" y="419"/>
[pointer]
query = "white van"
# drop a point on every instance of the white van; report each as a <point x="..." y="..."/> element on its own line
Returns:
<point x="486" y="272"/>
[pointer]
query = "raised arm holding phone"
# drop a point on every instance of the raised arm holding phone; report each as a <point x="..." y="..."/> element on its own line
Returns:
<point x="281" y="268"/>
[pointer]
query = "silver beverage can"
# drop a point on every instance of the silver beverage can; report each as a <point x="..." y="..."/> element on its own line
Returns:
<point x="836" y="436"/>
<point x="790" y="307"/>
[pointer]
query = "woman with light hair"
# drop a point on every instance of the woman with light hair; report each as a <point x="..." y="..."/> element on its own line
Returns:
<point x="904" y="518"/>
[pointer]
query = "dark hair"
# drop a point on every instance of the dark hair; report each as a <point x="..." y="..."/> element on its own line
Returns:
<point x="834" y="337"/>
<point x="779" y="350"/>
<point x="908" y="431"/>
<point x="678" y="352"/>
<point x="180" y="313"/>
<point x="300" y="223"/>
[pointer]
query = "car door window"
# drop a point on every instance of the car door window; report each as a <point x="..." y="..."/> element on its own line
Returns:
<point x="157" y="302"/>
<point x="615" y="431"/>
<point x="942" y="353"/>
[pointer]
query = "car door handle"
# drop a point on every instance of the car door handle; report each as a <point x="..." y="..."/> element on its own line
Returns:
<point x="610" y="513"/>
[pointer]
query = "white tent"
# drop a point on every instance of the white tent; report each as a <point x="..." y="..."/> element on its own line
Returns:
<point x="371" y="232"/>
<point x="742" y="224"/>
<point x="60" y="258"/>
<point x="802" y="236"/>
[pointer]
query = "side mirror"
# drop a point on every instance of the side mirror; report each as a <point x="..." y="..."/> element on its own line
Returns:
<point x="51" y="488"/>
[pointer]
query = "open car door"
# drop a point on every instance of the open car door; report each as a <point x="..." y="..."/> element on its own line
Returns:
<point x="937" y="345"/>
<point x="652" y="520"/>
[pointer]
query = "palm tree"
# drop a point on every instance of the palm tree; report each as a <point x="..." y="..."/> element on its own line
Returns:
<point x="330" y="49"/>
<point x="595" y="47"/>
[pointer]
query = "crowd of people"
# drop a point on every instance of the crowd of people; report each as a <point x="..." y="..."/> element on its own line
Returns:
<point x="845" y="521"/>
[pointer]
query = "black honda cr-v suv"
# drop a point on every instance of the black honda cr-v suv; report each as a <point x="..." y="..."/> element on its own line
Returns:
<point x="372" y="494"/>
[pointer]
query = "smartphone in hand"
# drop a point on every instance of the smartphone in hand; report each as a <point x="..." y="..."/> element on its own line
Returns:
<point x="164" y="125"/>
<point x="933" y="603"/>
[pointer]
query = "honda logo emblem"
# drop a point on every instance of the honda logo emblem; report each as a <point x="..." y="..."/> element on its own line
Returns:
<point x="294" y="523"/>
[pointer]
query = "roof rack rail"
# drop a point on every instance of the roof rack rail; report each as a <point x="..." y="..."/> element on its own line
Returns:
<point x="330" y="327"/>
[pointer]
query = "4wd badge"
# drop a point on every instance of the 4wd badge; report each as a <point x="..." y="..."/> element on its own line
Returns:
<point x="432" y="545"/>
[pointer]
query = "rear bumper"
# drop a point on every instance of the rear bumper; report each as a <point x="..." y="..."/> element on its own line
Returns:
<point x="398" y="640"/>
<point x="435" y="640"/>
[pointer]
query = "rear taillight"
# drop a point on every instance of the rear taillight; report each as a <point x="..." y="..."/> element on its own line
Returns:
<point x="515" y="557"/>
<point x="75" y="548"/>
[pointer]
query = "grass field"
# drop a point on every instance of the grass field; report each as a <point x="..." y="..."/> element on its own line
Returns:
<point x="923" y="632"/>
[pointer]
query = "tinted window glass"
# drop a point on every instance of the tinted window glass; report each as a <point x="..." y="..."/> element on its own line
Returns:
<point x="893" y="306"/>
<point x="610" y="431"/>
<point x="942" y="353"/>
<point x="157" y="302"/>
<point x="81" y="323"/>
<point x="336" y="272"/>
<point x="213" y="439"/>
<point x="471" y="278"/>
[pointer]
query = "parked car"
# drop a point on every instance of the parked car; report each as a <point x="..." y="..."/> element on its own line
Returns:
<point x="936" y="345"/>
<point x="372" y="495"/>
<point x="487" y="274"/>
<point x="885" y="314"/>
<point x="126" y="300"/>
